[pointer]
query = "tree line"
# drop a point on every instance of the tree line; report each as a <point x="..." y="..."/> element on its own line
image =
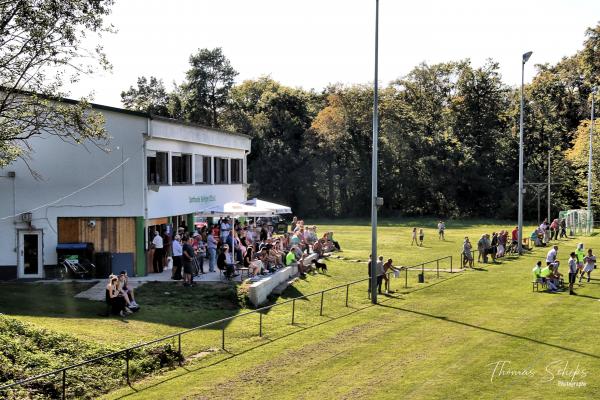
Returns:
<point x="448" y="135"/>
<point x="448" y="131"/>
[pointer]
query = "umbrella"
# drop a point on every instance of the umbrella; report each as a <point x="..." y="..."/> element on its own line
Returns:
<point x="234" y="209"/>
<point x="276" y="208"/>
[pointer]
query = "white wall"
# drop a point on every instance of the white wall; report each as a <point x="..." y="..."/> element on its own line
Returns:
<point x="185" y="199"/>
<point x="65" y="168"/>
<point x="161" y="128"/>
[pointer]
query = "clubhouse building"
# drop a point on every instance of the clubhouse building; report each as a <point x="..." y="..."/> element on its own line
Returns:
<point x="156" y="173"/>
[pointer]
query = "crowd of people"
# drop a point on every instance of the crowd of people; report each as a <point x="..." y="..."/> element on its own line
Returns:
<point x="498" y="244"/>
<point x="228" y="245"/>
<point x="581" y="264"/>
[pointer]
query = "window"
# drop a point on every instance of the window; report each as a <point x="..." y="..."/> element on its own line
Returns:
<point x="157" y="168"/>
<point x="221" y="170"/>
<point x="237" y="171"/>
<point x="181" y="169"/>
<point x="202" y="172"/>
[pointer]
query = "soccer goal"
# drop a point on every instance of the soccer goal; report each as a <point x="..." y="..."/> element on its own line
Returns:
<point x="579" y="222"/>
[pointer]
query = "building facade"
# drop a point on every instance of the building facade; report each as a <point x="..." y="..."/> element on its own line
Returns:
<point x="156" y="174"/>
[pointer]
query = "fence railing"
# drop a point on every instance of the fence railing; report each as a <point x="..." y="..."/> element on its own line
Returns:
<point x="126" y="355"/>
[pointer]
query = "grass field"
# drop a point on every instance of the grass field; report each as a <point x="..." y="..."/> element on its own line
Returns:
<point x="441" y="339"/>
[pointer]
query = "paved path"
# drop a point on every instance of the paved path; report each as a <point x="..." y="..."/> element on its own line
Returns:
<point x="96" y="292"/>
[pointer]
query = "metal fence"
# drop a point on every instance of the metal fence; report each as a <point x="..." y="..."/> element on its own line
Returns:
<point x="221" y="324"/>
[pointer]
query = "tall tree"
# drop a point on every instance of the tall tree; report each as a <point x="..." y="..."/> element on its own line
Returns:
<point x="150" y="95"/>
<point x="207" y="86"/>
<point x="41" y="48"/>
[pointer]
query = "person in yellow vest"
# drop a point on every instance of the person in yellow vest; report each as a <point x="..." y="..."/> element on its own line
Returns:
<point x="580" y="253"/>
<point x="536" y="272"/>
<point x="547" y="275"/>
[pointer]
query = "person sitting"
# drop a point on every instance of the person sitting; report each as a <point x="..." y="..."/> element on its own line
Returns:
<point x="317" y="248"/>
<point x="335" y="243"/>
<point x="537" y="272"/>
<point x="547" y="275"/>
<point x="222" y="261"/>
<point x="290" y="258"/>
<point x="117" y="303"/>
<point x="126" y="291"/>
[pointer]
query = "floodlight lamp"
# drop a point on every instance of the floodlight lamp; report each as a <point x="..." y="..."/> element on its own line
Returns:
<point x="526" y="56"/>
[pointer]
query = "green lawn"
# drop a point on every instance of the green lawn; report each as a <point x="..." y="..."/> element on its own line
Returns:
<point x="441" y="339"/>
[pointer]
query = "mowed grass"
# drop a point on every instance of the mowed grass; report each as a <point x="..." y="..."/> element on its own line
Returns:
<point x="440" y="339"/>
<point x="437" y="343"/>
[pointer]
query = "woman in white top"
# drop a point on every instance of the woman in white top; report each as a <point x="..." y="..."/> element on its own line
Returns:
<point x="589" y="264"/>
<point x="414" y="237"/>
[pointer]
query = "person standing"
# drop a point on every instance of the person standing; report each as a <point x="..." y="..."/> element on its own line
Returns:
<point x="212" y="252"/>
<point x="563" y="228"/>
<point x="177" y="253"/>
<point x="225" y="229"/>
<point x="580" y="253"/>
<point x="159" y="253"/>
<point x="467" y="253"/>
<point x="572" y="272"/>
<point x="414" y="237"/>
<point x="554" y="229"/>
<point x="388" y="268"/>
<point x="552" y="254"/>
<point x="380" y="272"/>
<point x="421" y="237"/>
<point x="589" y="265"/>
<point x="441" y="230"/>
<point x="187" y="257"/>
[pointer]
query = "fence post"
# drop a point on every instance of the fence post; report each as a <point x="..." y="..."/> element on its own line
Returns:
<point x="127" y="367"/>
<point x="438" y="267"/>
<point x="223" y="337"/>
<point x="260" y="325"/>
<point x="406" y="277"/>
<point x="179" y="349"/>
<point x="293" y="310"/>
<point x="321" y="313"/>
<point x="64" y="383"/>
<point x="347" y="289"/>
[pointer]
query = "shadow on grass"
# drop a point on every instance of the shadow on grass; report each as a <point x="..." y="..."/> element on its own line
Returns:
<point x="299" y="328"/>
<point x="167" y="303"/>
<point x="446" y="319"/>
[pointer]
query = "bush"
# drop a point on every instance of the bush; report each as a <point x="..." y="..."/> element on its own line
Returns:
<point x="27" y="351"/>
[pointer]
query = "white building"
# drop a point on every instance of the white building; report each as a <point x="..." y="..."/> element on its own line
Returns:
<point x="158" y="172"/>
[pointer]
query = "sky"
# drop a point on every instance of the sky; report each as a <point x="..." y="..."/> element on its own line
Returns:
<point x="312" y="43"/>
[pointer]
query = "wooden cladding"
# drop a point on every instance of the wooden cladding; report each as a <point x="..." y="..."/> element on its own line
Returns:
<point x="115" y="235"/>
<point x="158" y="221"/>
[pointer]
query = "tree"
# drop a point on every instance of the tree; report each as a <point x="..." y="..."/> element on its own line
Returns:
<point x="150" y="96"/>
<point x="207" y="86"/>
<point x="41" y="49"/>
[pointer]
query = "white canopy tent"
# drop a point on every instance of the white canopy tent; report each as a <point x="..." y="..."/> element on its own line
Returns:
<point x="234" y="209"/>
<point x="275" y="208"/>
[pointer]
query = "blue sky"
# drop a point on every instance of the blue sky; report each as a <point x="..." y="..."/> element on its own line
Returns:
<point x="313" y="43"/>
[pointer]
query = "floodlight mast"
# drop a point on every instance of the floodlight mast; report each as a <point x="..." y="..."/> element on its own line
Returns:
<point x="373" y="271"/>
<point x="520" y="210"/>
<point x="589" y="188"/>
